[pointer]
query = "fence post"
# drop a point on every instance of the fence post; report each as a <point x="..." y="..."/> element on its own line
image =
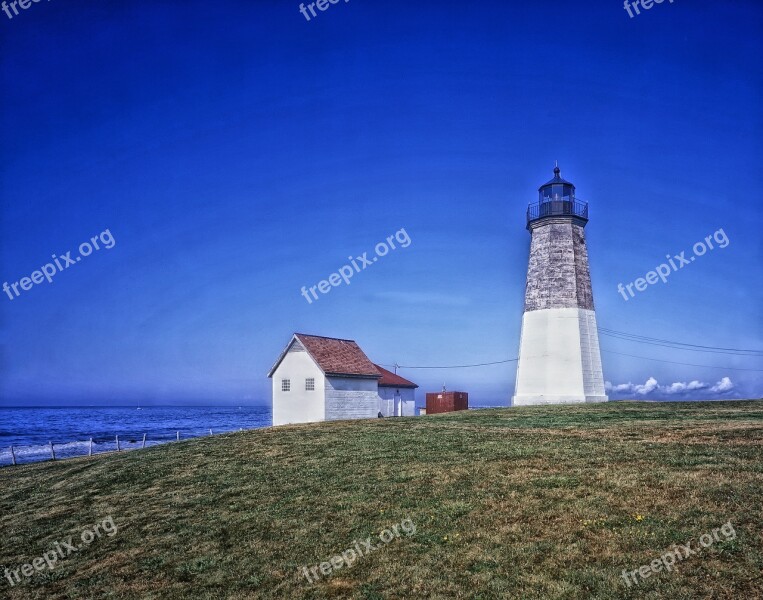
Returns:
<point x="13" y="455"/>
<point x="90" y="450"/>
<point x="52" y="452"/>
<point x="144" y="441"/>
<point x="117" y="443"/>
<point x="178" y="436"/>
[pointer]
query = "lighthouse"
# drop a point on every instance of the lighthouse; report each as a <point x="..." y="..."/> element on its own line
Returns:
<point x="559" y="357"/>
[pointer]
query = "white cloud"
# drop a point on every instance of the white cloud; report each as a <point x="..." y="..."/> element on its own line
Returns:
<point x="723" y="386"/>
<point x="630" y="388"/>
<point x="679" y="388"/>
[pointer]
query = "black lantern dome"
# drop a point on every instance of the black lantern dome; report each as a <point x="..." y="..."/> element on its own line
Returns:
<point x="556" y="198"/>
<point x="556" y="189"/>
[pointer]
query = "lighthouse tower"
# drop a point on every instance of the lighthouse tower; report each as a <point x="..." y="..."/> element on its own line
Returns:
<point x="559" y="358"/>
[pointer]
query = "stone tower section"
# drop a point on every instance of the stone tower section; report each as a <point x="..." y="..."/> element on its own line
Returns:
<point x="559" y="356"/>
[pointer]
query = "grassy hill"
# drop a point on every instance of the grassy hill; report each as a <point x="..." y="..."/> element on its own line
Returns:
<point x="514" y="503"/>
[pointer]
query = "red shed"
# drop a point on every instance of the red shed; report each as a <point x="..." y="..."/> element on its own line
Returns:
<point x="441" y="402"/>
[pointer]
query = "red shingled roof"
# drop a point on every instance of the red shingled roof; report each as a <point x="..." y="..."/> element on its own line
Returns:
<point x="390" y="379"/>
<point x="338" y="357"/>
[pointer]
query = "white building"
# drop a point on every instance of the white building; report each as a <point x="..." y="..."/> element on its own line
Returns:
<point x="324" y="379"/>
<point x="397" y="396"/>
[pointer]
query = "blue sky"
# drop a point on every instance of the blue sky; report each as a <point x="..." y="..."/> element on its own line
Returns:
<point x="237" y="152"/>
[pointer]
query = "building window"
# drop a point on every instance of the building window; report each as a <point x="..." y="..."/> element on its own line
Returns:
<point x="285" y="385"/>
<point x="310" y="384"/>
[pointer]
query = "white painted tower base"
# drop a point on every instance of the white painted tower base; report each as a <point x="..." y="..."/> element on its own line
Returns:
<point x="559" y="358"/>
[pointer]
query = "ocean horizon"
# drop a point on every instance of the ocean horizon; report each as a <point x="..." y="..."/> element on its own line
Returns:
<point x="30" y="430"/>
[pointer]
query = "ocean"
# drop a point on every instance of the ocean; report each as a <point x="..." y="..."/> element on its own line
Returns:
<point x="30" y="430"/>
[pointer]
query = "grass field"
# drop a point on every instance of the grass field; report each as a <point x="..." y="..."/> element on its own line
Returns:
<point x="512" y="503"/>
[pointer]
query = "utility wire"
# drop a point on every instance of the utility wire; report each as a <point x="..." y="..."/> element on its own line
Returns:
<point x="681" y="363"/>
<point x="679" y="345"/>
<point x="631" y="338"/>
<point x="607" y="351"/>
<point x="498" y="362"/>
<point x="728" y="352"/>
<point x="643" y="337"/>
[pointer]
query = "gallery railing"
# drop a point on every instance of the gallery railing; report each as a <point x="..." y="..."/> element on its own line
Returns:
<point x="553" y="208"/>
